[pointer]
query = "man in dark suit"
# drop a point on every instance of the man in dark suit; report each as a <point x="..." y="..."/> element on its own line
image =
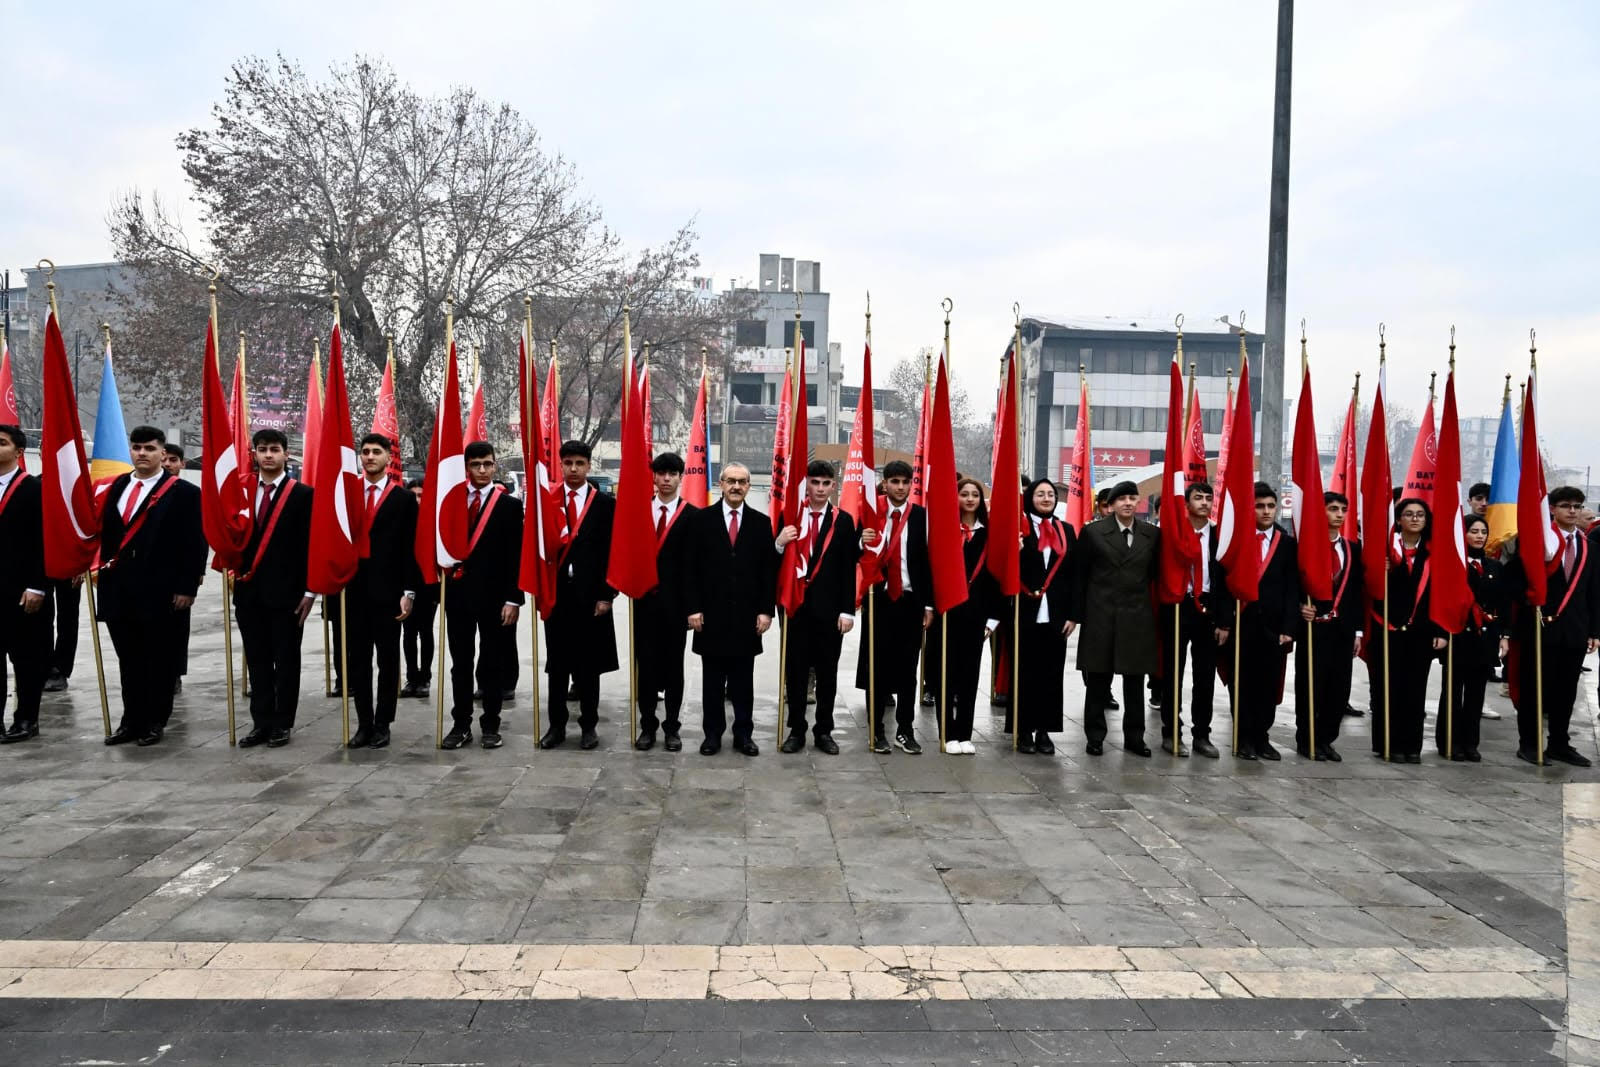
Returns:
<point x="1118" y="557"/>
<point x="416" y="631"/>
<point x="25" y="611"/>
<point x="269" y="593"/>
<point x="902" y="608"/>
<point x="152" y="552"/>
<point x="580" y="637"/>
<point x="1335" y="627"/>
<point x="172" y="461"/>
<point x="659" y="625"/>
<point x="828" y="551"/>
<point x="381" y="595"/>
<point x="483" y="600"/>
<point x="728" y="599"/>
<point x="1196" y="637"/>
<point x="1266" y="628"/>
<point x="1571" y="621"/>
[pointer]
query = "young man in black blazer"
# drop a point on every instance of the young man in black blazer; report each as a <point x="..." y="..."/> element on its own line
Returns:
<point x="829" y="550"/>
<point x="483" y="600"/>
<point x="152" y="552"/>
<point x="25" y="610"/>
<point x="172" y="461"/>
<point x="660" y="626"/>
<point x="728" y="596"/>
<point x="902" y="609"/>
<point x="1335" y="642"/>
<point x="269" y="593"/>
<point x="1266" y="628"/>
<point x="580" y="637"/>
<point x="381" y="595"/>
<point x="1197" y="638"/>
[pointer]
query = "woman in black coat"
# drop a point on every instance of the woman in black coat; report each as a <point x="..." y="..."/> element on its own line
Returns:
<point x="968" y="623"/>
<point x="1414" y="639"/>
<point x="1047" y="576"/>
<point x="1477" y="648"/>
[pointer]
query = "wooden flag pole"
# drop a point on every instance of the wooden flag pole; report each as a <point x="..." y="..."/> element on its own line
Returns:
<point x="627" y="390"/>
<point x="99" y="662"/>
<point x="1177" y="679"/>
<point x="344" y="669"/>
<point x="1233" y="690"/>
<point x="227" y="650"/>
<point x="944" y="618"/>
<point x="530" y="481"/>
<point x="1311" y="683"/>
<point x="1449" y="696"/>
<point x="872" y="627"/>
<point x="438" y="731"/>
<point x="1538" y="680"/>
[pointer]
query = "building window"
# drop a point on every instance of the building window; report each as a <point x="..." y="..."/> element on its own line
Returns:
<point x="811" y="394"/>
<point x="1085" y="356"/>
<point x="750" y="333"/>
<point x="1211" y="420"/>
<point x="1097" y="365"/>
<point x="747" y="392"/>
<point x="808" y="330"/>
<point x="1152" y="363"/>
<point x="1136" y="420"/>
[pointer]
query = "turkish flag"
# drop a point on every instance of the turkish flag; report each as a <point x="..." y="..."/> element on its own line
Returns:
<point x="1421" y="475"/>
<point x="338" y="513"/>
<point x="858" y="497"/>
<point x="1180" y="545"/>
<point x="1537" y="543"/>
<point x="386" y="420"/>
<point x="71" y="519"/>
<point x="1451" y="600"/>
<point x="312" y="434"/>
<point x="1377" y="497"/>
<point x="797" y="553"/>
<point x="1310" y="514"/>
<point x="224" y="503"/>
<point x="1005" y="498"/>
<point x="1346" y="477"/>
<point x="1236" y="494"/>
<point x="442" y="523"/>
<point x="8" y="396"/>
<point x="631" y="570"/>
<point x="477" y="421"/>
<point x="543" y="525"/>
<point x="945" y="536"/>
<point x="696" y="485"/>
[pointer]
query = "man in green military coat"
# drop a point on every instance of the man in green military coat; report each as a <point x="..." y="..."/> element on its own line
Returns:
<point x="1115" y="612"/>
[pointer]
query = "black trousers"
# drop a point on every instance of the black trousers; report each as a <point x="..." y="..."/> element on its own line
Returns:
<point x="735" y="676"/>
<point x="272" y="656"/>
<point x="25" y="640"/>
<point x="1328" y="685"/>
<point x="68" y="597"/>
<point x="180" y="643"/>
<point x="372" y="630"/>
<point x="1405" y="666"/>
<point x="1261" y="663"/>
<point x="895" y="650"/>
<point x="814" y="645"/>
<point x="145" y="666"/>
<point x="476" y="637"/>
<point x="416" y="636"/>
<point x="963" y="652"/>
<point x="1097" y="687"/>
<point x="1038" y="703"/>
<point x="1563" y="667"/>
<point x="1197" y="644"/>
<point x="660" y="672"/>
<point x="1473" y="658"/>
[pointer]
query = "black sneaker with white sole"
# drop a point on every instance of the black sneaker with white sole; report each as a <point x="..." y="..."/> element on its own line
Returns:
<point x="907" y="743"/>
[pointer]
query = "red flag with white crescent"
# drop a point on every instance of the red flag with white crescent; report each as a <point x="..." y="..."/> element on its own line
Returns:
<point x="338" y="513"/>
<point x="442" y="523"/>
<point x="71" y="519"/>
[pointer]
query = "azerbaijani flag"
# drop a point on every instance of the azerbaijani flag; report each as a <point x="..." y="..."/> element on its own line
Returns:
<point x="1506" y="476"/>
<point x="110" y="456"/>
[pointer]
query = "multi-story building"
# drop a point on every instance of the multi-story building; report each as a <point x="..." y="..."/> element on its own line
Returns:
<point x="1126" y="360"/>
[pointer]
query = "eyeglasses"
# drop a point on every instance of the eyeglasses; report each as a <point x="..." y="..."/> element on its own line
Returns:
<point x="735" y="481"/>
<point x="1570" y="505"/>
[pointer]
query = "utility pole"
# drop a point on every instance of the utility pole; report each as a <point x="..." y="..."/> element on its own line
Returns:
<point x="1277" y="257"/>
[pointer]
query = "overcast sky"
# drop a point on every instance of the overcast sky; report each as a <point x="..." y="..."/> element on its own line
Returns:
<point x="1071" y="156"/>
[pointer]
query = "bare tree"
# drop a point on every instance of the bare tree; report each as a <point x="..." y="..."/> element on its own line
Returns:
<point x="973" y="436"/>
<point x="404" y="201"/>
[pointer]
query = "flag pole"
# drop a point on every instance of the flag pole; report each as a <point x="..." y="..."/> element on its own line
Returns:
<point x="1311" y="668"/>
<point x="1016" y="601"/>
<point x="227" y="649"/>
<point x="1538" y="612"/>
<point x="922" y="635"/>
<point x="444" y="573"/>
<point x="1233" y="690"/>
<point x="633" y="655"/>
<point x="788" y="490"/>
<point x="1387" y="540"/>
<point x="944" y="618"/>
<point x="1249" y="428"/>
<point x="1450" y="638"/>
<point x="872" y="626"/>
<point x="344" y="647"/>
<point x="530" y="479"/>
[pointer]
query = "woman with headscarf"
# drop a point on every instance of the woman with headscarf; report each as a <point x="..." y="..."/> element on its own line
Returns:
<point x="1046" y="601"/>
<point x="1476" y="649"/>
<point x="1401" y="681"/>
<point x="969" y="623"/>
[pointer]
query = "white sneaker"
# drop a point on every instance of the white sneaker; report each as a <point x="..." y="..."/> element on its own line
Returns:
<point x="952" y="748"/>
<point x="1490" y="713"/>
<point x="966" y="746"/>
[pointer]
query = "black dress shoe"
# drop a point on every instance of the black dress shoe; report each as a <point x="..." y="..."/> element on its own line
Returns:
<point x="792" y="744"/>
<point x="19" y="731"/>
<point x="1043" y="745"/>
<point x="492" y="740"/>
<point x="588" y="740"/>
<point x="251" y="739"/>
<point x="1025" y="746"/>
<point x="56" y="683"/>
<point x="409" y="689"/>
<point x="645" y="741"/>
<point x="279" y="738"/>
<point x="1326" y="752"/>
<point x="1138" y="748"/>
<point x="1203" y="747"/>
<point x="554" y="737"/>
<point x="1353" y="713"/>
<point x="710" y="746"/>
<point x="477" y="694"/>
<point x="380" y="737"/>
<point x="1570" y="755"/>
<point x="1473" y="756"/>
<point x="1458" y="757"/>
<point x="456" y="738"/>
<point x="928" y="700"/>
<point x="879" y="746"/>
<point x="509" y="696"/>
<point x="337" y="692"/>
<point x="360" y="739"/>
<point x="1245" y="752"/>
<point x="151" y="738"/>
<point x="122" y="736"/>
<point x="177" y="686"/>
<point x="1112" y="705"/>
<point x="672" y="743"/>
<point x="1527" y="755"/>
<point x="1094" y="748"/>
<point x="746" y="746"/>
<point x="1411" y="757"/>
<point x="1267" y="752"/>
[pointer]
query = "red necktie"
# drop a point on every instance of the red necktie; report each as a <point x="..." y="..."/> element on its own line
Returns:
<point x="266" y="502"/>
<point x="1411" y="558"/>
<point x="572" y="513"/>
<point x="1570" y="556"/>
<point x="372" y="499"/>
<point x="474" y="509"/>
<point x="1263" y="534"/>
<point x="891" y="555"/>
<point x="133" y="505"/>
<point x="733" y="527"/>
<point x="661" y="523"/>
<point x="966" y="533"/>
<point x="1049" y="537"/>
<point x="811" y="538"/>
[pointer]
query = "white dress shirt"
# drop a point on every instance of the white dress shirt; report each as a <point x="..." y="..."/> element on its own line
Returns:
<point x="1043" y="614"/>
<point x="905" y="533"/>
<point x="145" y="486"/>
<point x="1205" y="562"/>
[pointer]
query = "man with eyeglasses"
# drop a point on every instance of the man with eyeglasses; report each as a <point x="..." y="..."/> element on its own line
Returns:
<point x="1570" y="618"/>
